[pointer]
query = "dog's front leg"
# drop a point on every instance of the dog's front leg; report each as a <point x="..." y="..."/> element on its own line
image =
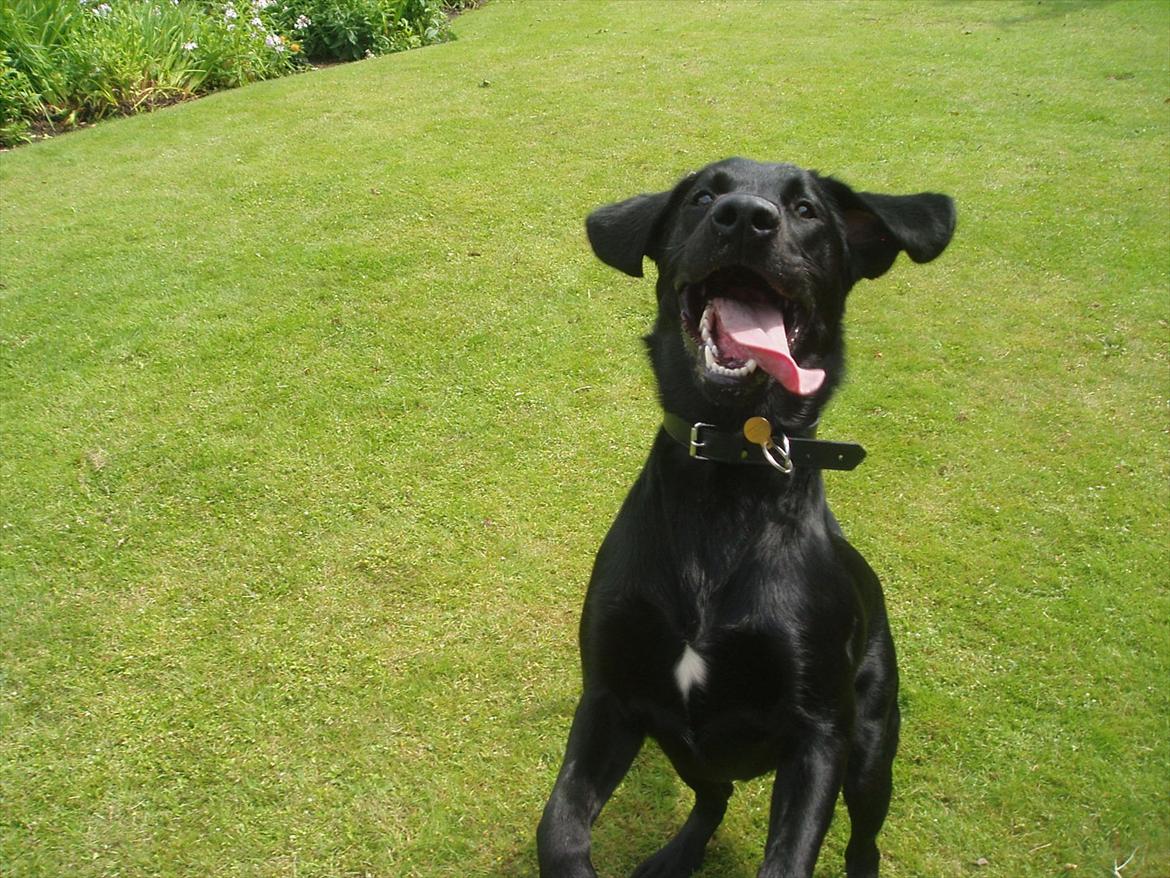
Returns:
<point x="803" y="797"/>
<point x="602" y="744"/>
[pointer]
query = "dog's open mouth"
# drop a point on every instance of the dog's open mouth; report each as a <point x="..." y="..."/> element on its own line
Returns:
<point x="740" y="323"/>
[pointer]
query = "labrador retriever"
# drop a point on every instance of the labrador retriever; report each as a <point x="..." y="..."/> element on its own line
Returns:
<point x="727" y="617"/>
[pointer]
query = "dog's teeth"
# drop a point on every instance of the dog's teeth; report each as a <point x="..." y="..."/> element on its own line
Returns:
<point x="741" y="372"/>
<point x="705" y="324"/>
<point x="711" y="355"/>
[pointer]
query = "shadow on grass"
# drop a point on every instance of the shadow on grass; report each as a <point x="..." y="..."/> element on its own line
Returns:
<point x="1047" y="11"/>
<point x="648" y="808"/>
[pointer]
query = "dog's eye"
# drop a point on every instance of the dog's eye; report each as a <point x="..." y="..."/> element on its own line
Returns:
<point x="805" y="210"/>
<point x="702" y="197"/>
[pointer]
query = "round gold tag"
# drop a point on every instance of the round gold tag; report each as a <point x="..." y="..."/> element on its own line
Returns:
<point x="757" y="430"/>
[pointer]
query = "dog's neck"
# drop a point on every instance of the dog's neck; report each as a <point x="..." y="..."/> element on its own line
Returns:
<point x="797" y="420"/>
<point x="699" y="489"/>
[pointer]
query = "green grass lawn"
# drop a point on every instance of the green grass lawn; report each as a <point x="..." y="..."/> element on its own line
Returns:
<point x="314" y="406"/>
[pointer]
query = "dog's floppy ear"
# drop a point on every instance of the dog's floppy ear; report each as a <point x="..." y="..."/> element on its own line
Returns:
<point x="623" y="233"/>
<point x="878" y="227"/>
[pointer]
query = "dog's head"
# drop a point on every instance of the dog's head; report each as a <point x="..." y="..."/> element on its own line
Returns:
<point x="754" y="264"/>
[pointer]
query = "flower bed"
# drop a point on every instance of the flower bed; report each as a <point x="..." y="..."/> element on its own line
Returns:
<point x="68" y="63"/>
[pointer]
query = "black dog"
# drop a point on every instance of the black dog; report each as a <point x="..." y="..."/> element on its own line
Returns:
<point x="727" y="617"/>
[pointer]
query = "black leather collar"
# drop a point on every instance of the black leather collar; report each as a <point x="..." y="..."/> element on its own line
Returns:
<point x="708" y="442"/>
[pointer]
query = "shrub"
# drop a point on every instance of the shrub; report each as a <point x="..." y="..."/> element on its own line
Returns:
<point x="344" y="30"/>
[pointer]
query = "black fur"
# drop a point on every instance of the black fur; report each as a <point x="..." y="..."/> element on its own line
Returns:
<point x="744" y="565"/>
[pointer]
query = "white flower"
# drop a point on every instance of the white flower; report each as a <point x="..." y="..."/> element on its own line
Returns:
<point x="303" y="21"/>
<point x="190" y="47"/>
<point x="262" y="4"/>
<point x="256" y="22"/>
<point x="102" y="11"/>
<point x="229" y="13"/>
<point x="274" y="41"/>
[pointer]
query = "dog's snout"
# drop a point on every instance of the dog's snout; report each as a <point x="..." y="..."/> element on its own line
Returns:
<point x="745" y="215"/>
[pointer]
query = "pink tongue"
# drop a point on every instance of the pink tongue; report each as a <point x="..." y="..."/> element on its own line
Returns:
<point x="757" y="331"/>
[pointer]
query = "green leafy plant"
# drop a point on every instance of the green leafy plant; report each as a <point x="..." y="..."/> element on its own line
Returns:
<point x="19" y="102"/>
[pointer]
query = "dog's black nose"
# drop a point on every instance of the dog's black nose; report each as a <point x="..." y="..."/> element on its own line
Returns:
<point x="746" y="215"/>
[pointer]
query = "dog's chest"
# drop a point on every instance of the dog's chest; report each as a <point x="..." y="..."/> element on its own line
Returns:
<point x="690" y="671"/>
<point x="750" y="668"/>
<point x="671" y="668"/>
<point x="712" y="635"/>
<point x="729" y="699"/>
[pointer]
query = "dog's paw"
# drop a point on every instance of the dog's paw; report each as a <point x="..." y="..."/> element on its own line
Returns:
<point x="676" y="860"/>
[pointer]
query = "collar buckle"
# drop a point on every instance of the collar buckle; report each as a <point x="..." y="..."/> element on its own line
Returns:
<point x="696" y="444"/>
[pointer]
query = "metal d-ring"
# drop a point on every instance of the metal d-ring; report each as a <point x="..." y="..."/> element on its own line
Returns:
<point x="784" y="464"/>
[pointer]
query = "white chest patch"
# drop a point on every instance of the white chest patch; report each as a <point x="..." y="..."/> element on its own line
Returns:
<point x="691" y="670"/>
